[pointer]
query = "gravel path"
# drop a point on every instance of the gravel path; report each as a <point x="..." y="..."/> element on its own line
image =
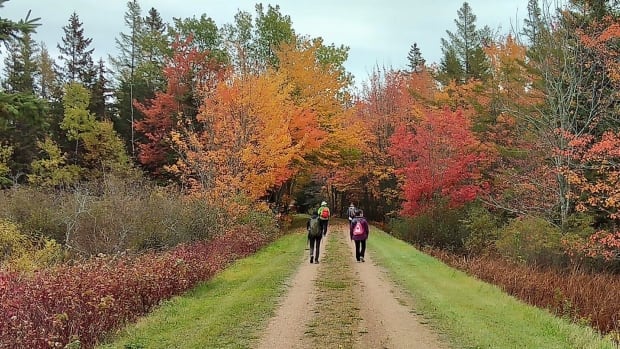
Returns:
<point x="385" y="316"/>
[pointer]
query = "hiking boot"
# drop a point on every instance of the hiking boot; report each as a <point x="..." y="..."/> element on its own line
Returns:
<point x="316" y="262"/>
<point x="311" y="259"/>
<point x="361" y="259"/>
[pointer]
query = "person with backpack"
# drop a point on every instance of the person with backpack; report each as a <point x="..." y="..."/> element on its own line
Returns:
<point x="359" y="234"/>
<point x="351" y="213"/>
<point x="324" y="215"/>
<point x="314" y="237"/>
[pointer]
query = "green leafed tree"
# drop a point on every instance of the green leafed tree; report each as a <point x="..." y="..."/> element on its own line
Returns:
<point x="206" y="35"/>
<point x="252" y="43"/>
<point x="51" y="169"/>
<point x="77" y="120"/>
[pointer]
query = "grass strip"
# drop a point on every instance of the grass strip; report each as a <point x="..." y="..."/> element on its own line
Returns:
<point x="337" y="319"/>
<point x="229" y="311"/>
<point x="472" y="313"/>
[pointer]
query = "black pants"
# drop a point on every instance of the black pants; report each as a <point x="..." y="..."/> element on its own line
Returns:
<point x="360" y="249"/>
<point x="323" y="226"/>
<point x="315" y="245"/>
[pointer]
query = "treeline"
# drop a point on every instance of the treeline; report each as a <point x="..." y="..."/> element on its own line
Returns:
<point x="507" y="146"/>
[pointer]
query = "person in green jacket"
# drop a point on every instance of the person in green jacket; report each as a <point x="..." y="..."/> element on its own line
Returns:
<point x="324" y="215"/>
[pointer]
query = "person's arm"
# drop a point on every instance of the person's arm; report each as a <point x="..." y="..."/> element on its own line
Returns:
<point x="367" y="227"/>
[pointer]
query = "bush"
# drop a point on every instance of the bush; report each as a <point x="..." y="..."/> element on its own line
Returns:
<point x="22" y="253"/>
<point x="38" y="213"/>
<point x="482" y="229"/>
<point x="440" y="227"/>
<point x="532" y="240"/>
<point x="118" y="214"/>
<point x="84" y="301"/>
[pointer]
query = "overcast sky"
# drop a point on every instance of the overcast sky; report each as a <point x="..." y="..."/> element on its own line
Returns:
<point x="378" y="33"/>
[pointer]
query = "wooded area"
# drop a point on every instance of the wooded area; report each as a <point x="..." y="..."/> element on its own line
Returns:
<point x="508" y="148"/>
<point x="512" y="129"/>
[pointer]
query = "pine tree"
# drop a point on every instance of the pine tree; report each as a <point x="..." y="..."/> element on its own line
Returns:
<point x="15" y="30"/>
<point x="100" y="92"/>
<point x="416" y="62"/>
<point x="467" y="44"/>
<point x="75" y="54"/>
<point x="20" y="65"/>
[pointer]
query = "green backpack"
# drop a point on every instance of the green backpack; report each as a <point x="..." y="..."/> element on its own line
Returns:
<point x="313" y="230"/>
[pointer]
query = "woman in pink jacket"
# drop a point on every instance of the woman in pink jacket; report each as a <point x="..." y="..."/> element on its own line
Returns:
<point x="359" y="234"/>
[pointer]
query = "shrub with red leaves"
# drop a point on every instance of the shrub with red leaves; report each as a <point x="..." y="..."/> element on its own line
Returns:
<point x="54" y="307"/>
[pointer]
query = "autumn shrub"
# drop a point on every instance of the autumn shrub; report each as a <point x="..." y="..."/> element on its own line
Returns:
<point x="23" y="253"/>
<point x="532" y="240"/>
<point x="439" y="227"/>
<point x="125" y="213"/>
<point x="84" y="301"/>
<point x="37" y="212"/>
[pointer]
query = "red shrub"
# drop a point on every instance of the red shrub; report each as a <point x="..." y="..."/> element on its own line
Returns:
<point x="85" y="301"/>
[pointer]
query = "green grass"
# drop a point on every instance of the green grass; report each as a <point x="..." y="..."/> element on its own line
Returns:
<point x="229" y="311"/>
<point x="471" y="313"/>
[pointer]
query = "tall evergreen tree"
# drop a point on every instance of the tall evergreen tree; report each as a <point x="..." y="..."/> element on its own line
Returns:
<point x="20" y="65"/>
<point x="100" y="92"/>
<point x="75" y="55"/>
<point x="125" y="67"/>
<point x="154" y="45"/>
<point x="416" y="61"/>
<point x="48" y="82"/>
<point x="15" y="30"/>
<point x="23" y="116"/>
<point x="467" y="43"/>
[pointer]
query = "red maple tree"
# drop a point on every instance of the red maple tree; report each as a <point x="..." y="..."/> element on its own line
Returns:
<point x="439" y="158"/>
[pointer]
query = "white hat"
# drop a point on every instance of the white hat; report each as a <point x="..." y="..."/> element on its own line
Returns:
<point x="323" y="203"/>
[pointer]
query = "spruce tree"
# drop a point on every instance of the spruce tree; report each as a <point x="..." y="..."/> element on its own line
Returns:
<point x="416" y="61"/>
<point x="75" y="55"/>
<point x="467" y="44"/>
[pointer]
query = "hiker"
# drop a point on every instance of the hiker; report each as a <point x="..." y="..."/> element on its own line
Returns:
<point x="324" y="215"/>
<point x="314" y="237"/>
<point x="359" y="234"/>
<point x="351" y="213"/>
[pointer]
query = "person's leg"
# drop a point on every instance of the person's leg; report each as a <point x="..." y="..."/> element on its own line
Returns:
<point x="312" y="241"/>
<point x="357" y="250"/>
<point x="317" y="246"/>
<point x="363" y="249"/>
<point x="323" y="226"/>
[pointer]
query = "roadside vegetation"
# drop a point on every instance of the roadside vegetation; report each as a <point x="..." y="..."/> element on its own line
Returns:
<point x="232" y="309"/>
<point x="472" y="313"/>
<point x="228" y="311"/>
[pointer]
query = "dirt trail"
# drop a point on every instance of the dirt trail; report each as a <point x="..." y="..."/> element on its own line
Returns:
<point x="366" y="307"/>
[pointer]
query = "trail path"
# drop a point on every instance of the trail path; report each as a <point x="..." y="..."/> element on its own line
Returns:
<point x="376" y="313"/>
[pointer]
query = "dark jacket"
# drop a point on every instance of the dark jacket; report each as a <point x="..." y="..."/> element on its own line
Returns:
<point x="314" y="216"/>
<point x="364" y="223"/>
